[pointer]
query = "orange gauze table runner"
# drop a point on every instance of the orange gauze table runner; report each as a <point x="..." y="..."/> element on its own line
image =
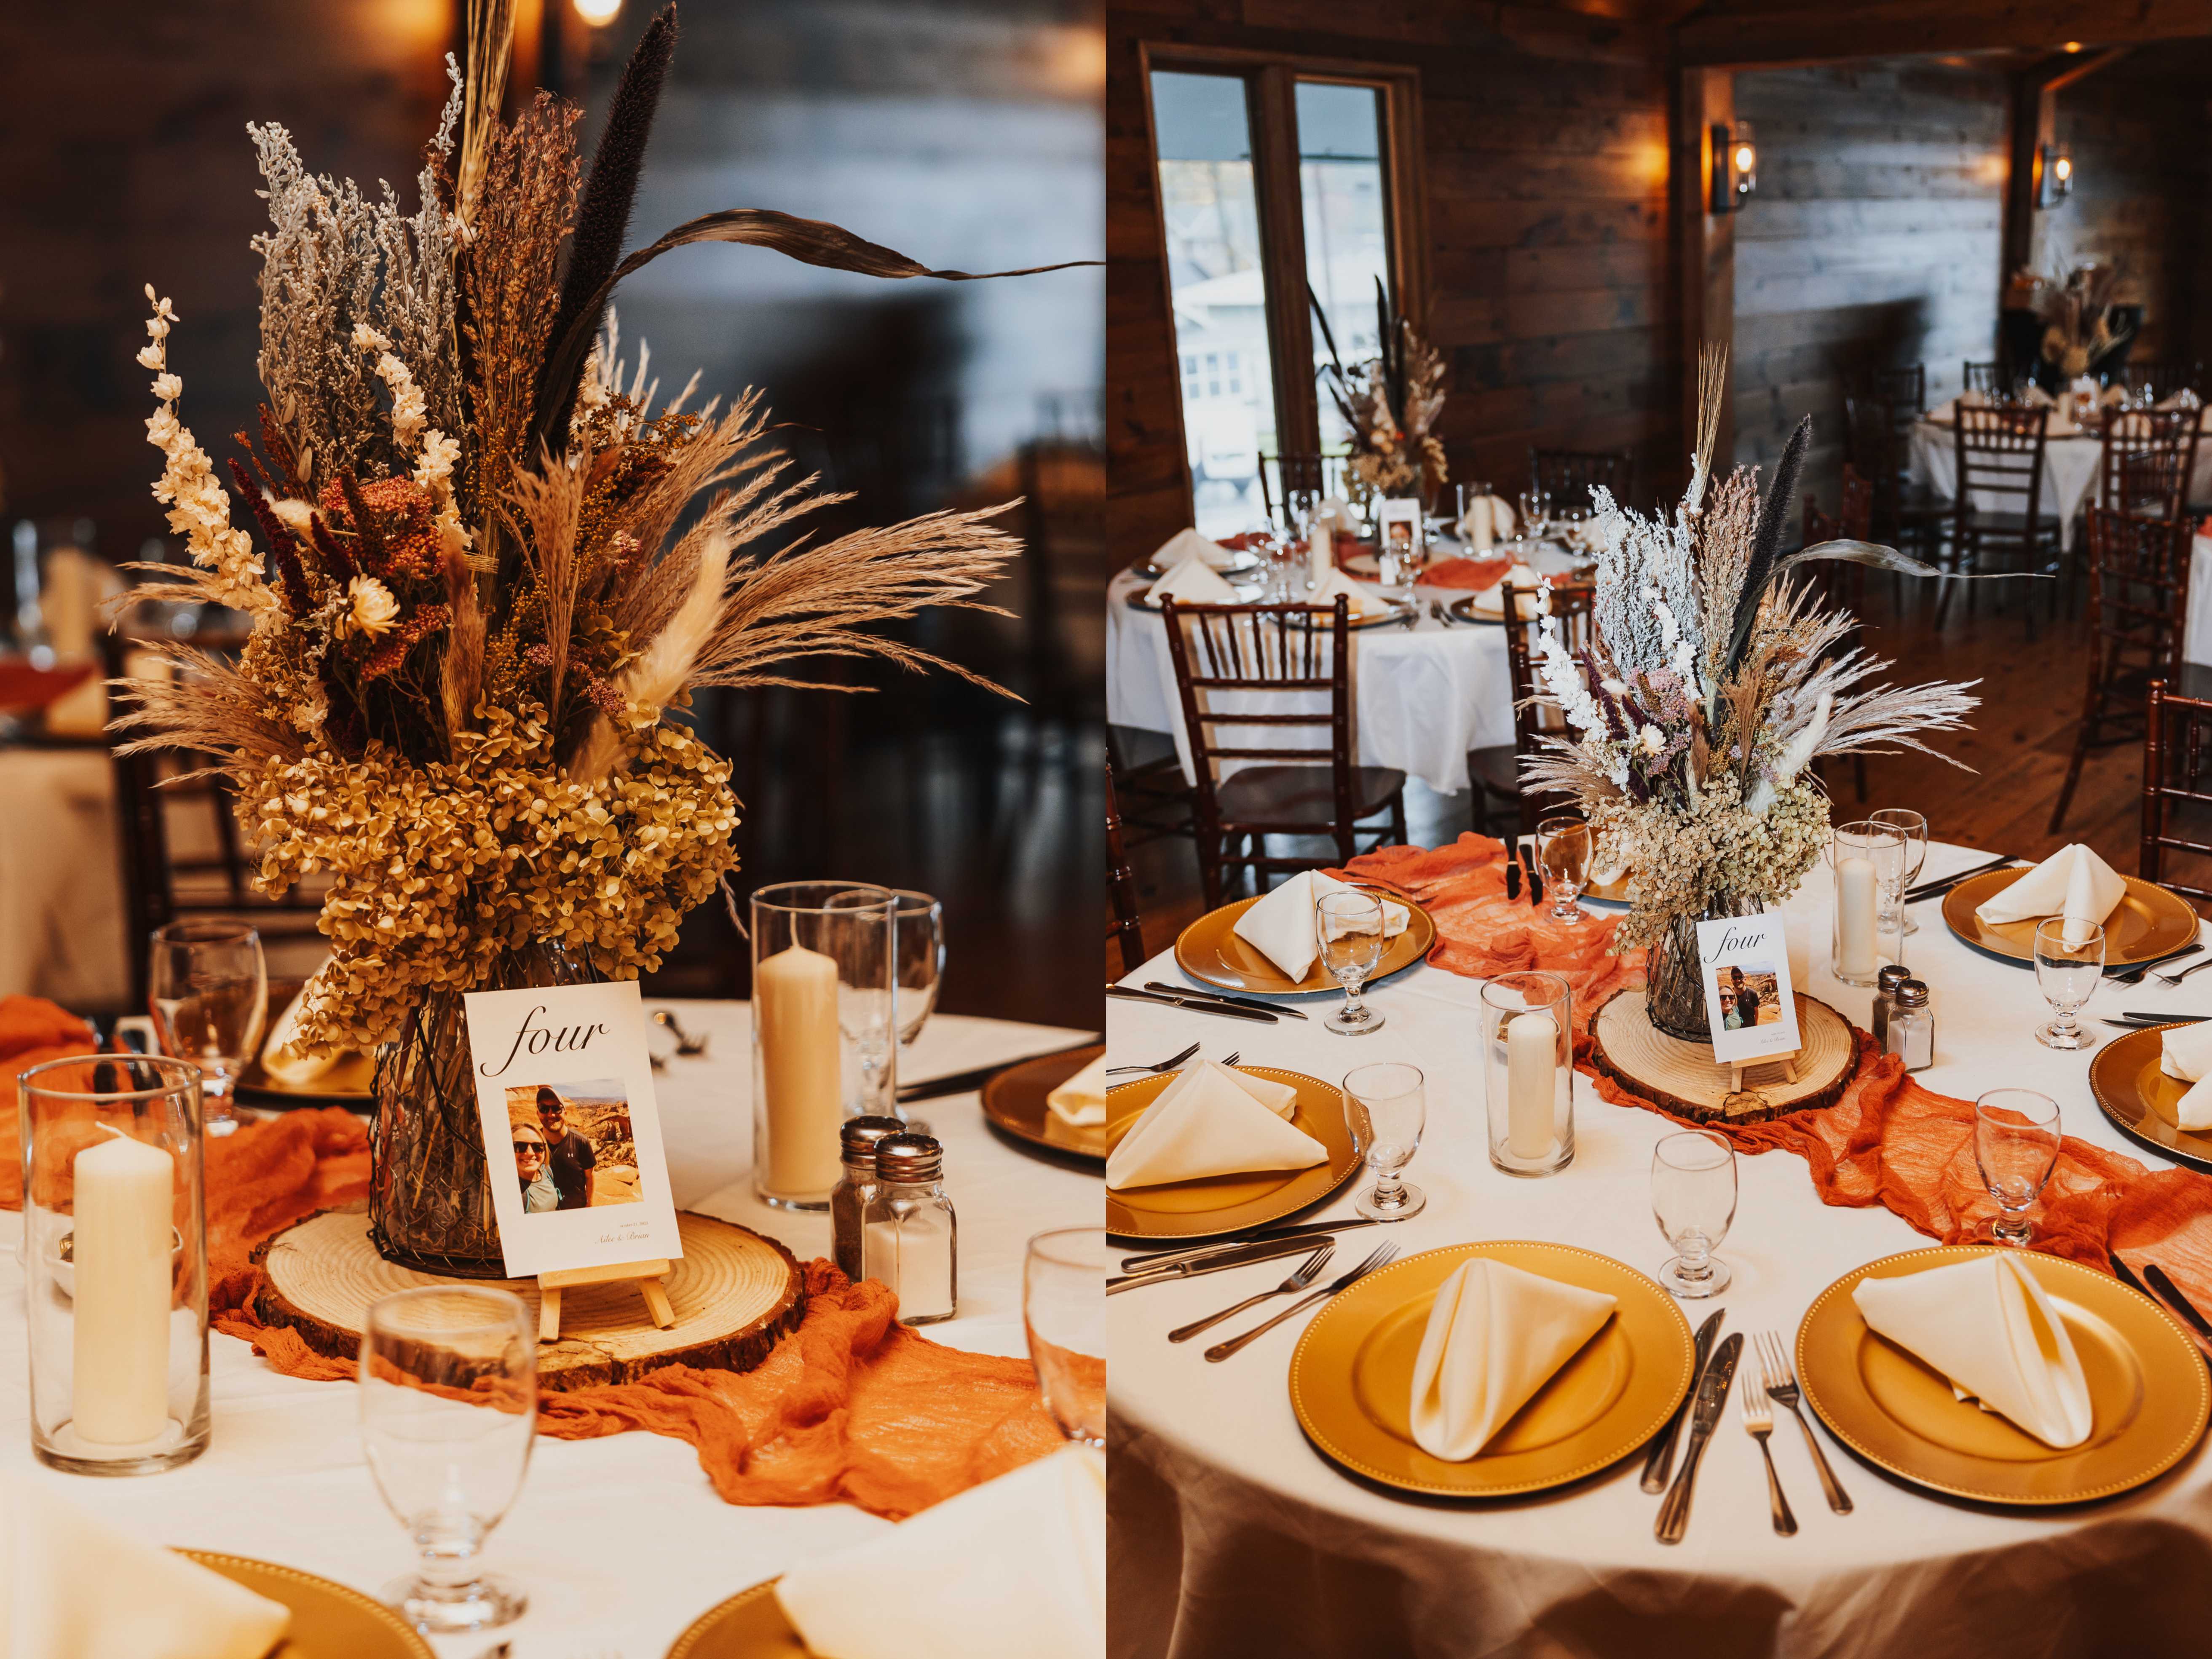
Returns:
<point x="1888" y="1141"/>
<point x="851" y="1407"/>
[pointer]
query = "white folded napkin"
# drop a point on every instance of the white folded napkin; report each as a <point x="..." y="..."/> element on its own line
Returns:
<point x="1080" y="1103"/>
<point x="2073" y="883"/>
<point x="1189" y="544"/>
<point x="1280" y="927"/>
<point x="1336" y="512"/>
<point x="1192" y="582"/>
<point x="1495" y="1335"/>
<point x="1212" y="1120"/>
<point x="1488" y="519"/>
<point x="74" y="1588"/>
<point x="2185" y="1053"/>
<point x="1523" y="578"/>
<point x="1988" y="1326"/>
<point x="1972" y="397"/>
<point x="1012" y="1568"/>
<point x="1334" y="582"/>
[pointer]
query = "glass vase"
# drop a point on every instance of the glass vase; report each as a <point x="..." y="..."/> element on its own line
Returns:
<point x="1673" y="994"/>
<point x="1528" y="1072"/>
<point x="430" y="1189"/>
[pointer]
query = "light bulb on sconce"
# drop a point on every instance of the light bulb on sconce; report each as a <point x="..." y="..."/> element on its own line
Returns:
<point x="1735" y="167"/>
<point x="598" y="14"/>
<point x="2057" y="174"/>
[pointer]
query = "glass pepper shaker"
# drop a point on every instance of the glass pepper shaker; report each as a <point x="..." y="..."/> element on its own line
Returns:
<point x="1892" y="975"/>
<point x="911" y="1238"/>
<point x="848" y="1199"/>
<point x="1911" y="1034"/>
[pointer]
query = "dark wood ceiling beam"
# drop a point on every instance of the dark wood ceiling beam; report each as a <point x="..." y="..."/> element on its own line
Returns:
<point x="1887" y="28"/>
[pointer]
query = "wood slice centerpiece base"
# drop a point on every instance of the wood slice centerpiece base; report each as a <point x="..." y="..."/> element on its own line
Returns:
<point x="734" y="1292"/>
<point x="1685" y="1078"/>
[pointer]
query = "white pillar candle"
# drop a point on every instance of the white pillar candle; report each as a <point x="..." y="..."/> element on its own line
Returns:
<point x="124" y="1280"/>
<point x="1320" y="548"/>
<point x="1855" y="900"/>
<point x="795" y="1000"/>
<point x="1479" y="525"/>
<point x="1531" y="1063"/>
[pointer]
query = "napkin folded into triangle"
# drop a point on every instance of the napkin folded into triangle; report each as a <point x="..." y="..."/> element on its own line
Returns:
<point x="2185" y="1054"/>
<point x="1989" y="1326"/>
<point x="1335" y="582"/>
<point x="1280" y="927"/>
<point x="2073" y="883"/>
<point x="1009" y="1570"/>
<point x="1212" y="1120"/>
<point x="1192" y="582"/>
<point x="1187" y="543"/>
<point x="1496" y="1335"/>
<point x="72" y="1587"/>
<point x="1080" y="1103"/>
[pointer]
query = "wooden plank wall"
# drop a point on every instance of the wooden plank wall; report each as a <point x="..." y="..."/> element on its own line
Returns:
<point x="1545" y="154"/>
<point x="1875" y="238"/>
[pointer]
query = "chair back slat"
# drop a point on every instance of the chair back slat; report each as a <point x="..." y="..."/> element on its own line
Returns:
<point x="2000" y="453"/>
<point x="2145" y="460"/>
<point x="2177" y="798"/>
<point x="1126" y="924"/>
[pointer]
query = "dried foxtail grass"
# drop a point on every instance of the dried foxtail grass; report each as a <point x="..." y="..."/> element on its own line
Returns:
<point x="491" y="46"/>
<point x="548" y="505"/>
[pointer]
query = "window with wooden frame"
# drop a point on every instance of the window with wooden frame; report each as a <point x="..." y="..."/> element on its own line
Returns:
<point x="1282" y="185"/>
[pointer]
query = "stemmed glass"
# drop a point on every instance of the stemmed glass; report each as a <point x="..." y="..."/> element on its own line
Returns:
<point x="1536" y="509"/>
<point x="1564" y="845"/>
<point x="2016" y="1145"/>
<point x="2067" y="975"/>
<point x="1064" y="1313"/>
<point x="1914" y="828"/>
<point x="863" y="940"/>
<point x="918" y="922"/>
<point x="209" y="994"/>
<point x="1351" y="929"/>
<point x="1388" y="1107"/>
<point x="1694" y="1197"/>
<point x="448" y="1411"/>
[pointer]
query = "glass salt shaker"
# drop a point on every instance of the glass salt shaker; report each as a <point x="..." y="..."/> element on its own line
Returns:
<point x="1911" y="1033"/>
<point x="848" y="1199"/>
<point x="911" y="1240"/>
<point x="1892" y="975"/>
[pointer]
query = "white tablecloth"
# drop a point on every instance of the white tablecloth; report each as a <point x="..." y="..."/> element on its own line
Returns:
<point x="2196" y="638"/>
<point x="1232" y="1534"/>
<point x="2070" y="472"/>
<point x="61" y="883"/>
<point x="1421" y="698"/>
<point x="621" y="1542"/>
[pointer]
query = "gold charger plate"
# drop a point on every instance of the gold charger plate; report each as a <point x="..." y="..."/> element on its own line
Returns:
<point x="1014" y="1100"/>
<point x="2140" y="1099"/>
<point x="2150" y="922"/>
<point x="2149" y="1392"/>
<point x="1210" y="952"/>
<point x="329" y="1621"/>
<point x="351" y="1082"/>
<point x="1229" y="1204"/>
<point x="1352" y="1376"/>
<point x="751" y="1624"/>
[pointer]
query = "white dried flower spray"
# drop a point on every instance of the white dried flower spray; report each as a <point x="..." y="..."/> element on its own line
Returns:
<point x="199" y="506"/>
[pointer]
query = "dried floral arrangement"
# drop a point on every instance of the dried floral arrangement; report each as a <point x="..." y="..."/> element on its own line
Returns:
<point x="1716" y="679"/>
<point x="2075" y="303"/>
<point x="470" y="606"/>
<point x="1390" y="404"/>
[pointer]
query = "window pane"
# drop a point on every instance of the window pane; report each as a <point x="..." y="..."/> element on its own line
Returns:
<point x="1207" y="200"/>
<point x="1347" y="226"/>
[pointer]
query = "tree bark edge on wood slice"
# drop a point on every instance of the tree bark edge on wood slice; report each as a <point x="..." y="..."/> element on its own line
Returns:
<point x="1683" y="1078"/>
<point x="735" y="1293"/>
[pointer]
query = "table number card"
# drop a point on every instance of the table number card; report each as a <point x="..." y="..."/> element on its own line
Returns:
<point x="1744" y="966"/>
<point x="564" y="1090"/>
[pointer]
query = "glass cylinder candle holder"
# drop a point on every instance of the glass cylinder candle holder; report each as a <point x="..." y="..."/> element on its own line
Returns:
<point x="115" y="1263"/>
<point x="1528" y="1072"/>
<point x="825" y="1044"/>
<point x="1868" y="859"/>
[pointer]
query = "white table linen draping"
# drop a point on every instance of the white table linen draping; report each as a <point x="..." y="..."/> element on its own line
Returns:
<point x="61" y="882"/>
<point x="621" y="1542"/>
<point x="2197" y="636"/>
<point x="1421" y="698"/>
<point x="1230" y="1533"/>
<point x="2070" y="472"/>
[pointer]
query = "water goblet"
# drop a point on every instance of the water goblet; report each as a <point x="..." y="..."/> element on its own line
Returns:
<point x="1350" y="928"/>
<point x="1536" y="509"/>
<point x="1562" y="844"/>
<point x="2016" y="1146"/>
<point x="448" y="1411"/>
<point x="1693" y="1198"/>
<point x="2067" y="974"/>
<point x="1387" y="1104"/>
<point x="1914" y="828"/>
<point x="208" y="991"/>
<point x="918" y="926"/>
<point x="1064" y="1313"/>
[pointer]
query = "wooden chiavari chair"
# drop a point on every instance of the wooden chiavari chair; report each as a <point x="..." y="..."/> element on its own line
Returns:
<point x="1991" y="379"/>
<point x="2177" y="786"/>
<point x="1844" y="584"/>
<point x="1496" y="772"/>
<point x="1298" y="473"/>
<point x="2158" y="447"/>
<point x="1287" y="649"/>
<point x="1568" y="476"/>
<point x="1903" y="388"/>
<point x="2000" y="455"/>
<point x="2165" y="378"/>
<point x="1126" y="926"/>
<point x="1905" y="513"/>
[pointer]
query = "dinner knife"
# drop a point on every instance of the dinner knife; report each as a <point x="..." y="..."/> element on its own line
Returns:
<point x="1662" y="1447"/>
<point x="959" y="1083"/>
<point x="1712" y="1394"/>
<point x="1266" y="1251"/>
<point x="2132" y="1018"/>
<point x="2162" y="1282"/>
<point x="1929" y="889"/>
<point x="1304" y="1229"/>
<point x="2126" y="1275"/>
<point x="1193" y="1004"/>
<point x="1166" y="989"/>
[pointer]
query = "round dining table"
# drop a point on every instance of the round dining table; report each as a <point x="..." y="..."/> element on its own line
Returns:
<point x="1230" y="1533"/>
<point x="620" y="1542"/>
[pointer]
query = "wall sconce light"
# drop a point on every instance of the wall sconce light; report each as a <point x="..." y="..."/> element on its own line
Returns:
<point x="598" y="14"/>
<point x="1735" y="167"/>
<point x="2057" y="174"/>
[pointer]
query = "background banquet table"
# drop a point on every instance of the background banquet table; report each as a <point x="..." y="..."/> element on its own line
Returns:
<point x="1230" y="1533"/>
<point x="621" y="1542"/>
<point x="2197" y="637"/>
<point x="1421" y="698"/>
<point x="2069" y="470"/>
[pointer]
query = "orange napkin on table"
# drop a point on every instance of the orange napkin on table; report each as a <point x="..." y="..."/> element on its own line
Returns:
<point x="1475" y="575"/>
<point x="33" y="1030"/>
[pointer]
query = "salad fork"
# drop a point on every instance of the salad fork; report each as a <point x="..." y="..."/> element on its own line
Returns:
<point x="1379" y="1257"/>
<point x="1308" y="1270"/>
<point x="1167" y="1065"/>
<point x="1781" y="1379"/>
<point x="2176" y="979"/>
<point x="1759" y="1423"/>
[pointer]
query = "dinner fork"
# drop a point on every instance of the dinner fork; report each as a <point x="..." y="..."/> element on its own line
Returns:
<point x="1380" y="1256"/>
<point x="2176" y="979"/>
<point x="1167" y="1065"/>
<point x="1308" y="1270"/>
<point x="1781" y="1379"/>
<point x="1759" y="1423"/>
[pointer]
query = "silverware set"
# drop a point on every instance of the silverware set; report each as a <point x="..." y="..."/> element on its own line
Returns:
<point x="1200" y="1002"/>
<point x="1308" y="1271"/>
<point x="1167" y="1065"/>
<point x="1773" y="1383"/>
<point x="1929" y="889"/>
<point x="1381" y="1256"/>
<point x="2162" y="1290"/>
<point x="1193" y="1267"/>
<point x="2135" y="975"/>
